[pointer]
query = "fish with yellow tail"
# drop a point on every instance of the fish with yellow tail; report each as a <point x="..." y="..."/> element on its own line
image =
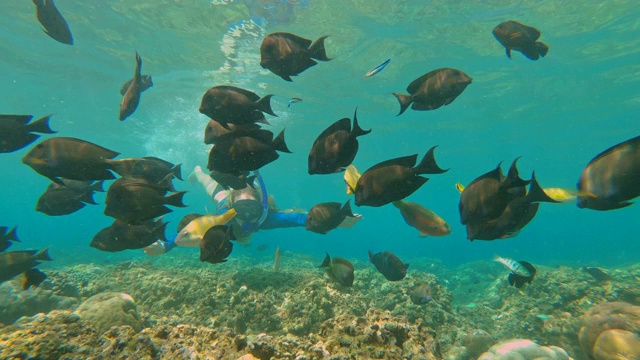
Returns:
<point x="423" y="219"/>
<point x="276" y="261"/>
<point x="557" y="194"/>
<point x="192" y="234"/>
<point x="513" y="266"/>
<point x="351" y="177"/>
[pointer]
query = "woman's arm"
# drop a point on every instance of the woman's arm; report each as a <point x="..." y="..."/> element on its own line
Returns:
<point x="283" y="219"/>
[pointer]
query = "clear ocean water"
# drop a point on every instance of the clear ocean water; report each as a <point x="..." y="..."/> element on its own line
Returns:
<point x="557" y="112"/>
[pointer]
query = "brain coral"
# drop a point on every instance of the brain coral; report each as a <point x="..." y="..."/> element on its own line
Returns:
<point x="521" y="349"/>
<point x="611" y="331"/>
<point x="109" y="309"/>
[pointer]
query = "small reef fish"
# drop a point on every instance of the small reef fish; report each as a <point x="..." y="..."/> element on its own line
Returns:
<point x="434" y="89"/>
<point x="53" y="22"/>
<point x="276" y="260"/>
<point x="293" y="101"/>
<point x="7" y="237"/>
<point x="339" y="269"/>
<point x="145" y="83"/>
<point x="336" y="147"/>
<point x="351" y="177"/>
<point x="597" y="273"/>
<point x="14" y="263"/>
<point x="16" y="131"/>
<point x="389" y="265"/>
<point x="377" y="69"/>
<point x="518" y="280"/>
<point x="131" y="98"/>
<point x="423" y="219"/>
<point x="516" y="36"/>
<point x="611" y="178"/>
<point x="326" y="216"/>
<point x="286" y="54"/>
<point x="513" y="266"/>
<point x="420" y="294"/>
<point x="215" y="245"/>
<point x="192" y="234"/>
<point x="394" y="179"/>
<point x="233" y="105"/>
<point x="60" y="200"/>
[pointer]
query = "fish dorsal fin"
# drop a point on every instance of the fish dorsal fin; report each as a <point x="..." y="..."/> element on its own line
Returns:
<point x="495" y="174"/>
<point x="342" y="124"/>
<point x="17" y="119"/>
<point x="305" y="43"/>
<point x="631" y="142"/>
<point x="326" y="262"/>
<point x="406" y="161"/>
<point x="250" y="94"/>
<point x="417" y="83"/>
<point x="153" y="158"/>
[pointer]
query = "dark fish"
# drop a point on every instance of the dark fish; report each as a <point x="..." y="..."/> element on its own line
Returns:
<point x="135" y="200"/>
<point x="14" y="263"/>
<point x="70" y="158"/>
<point x="145" y="83"/>
<point x="325" y="217"/>
<point x="287" y="55"/>
<point x="336" y="147"/>
<point x="339" y="269"/>
<point x="389" y="265"/>
<point x="54" y="24"/>
<point x="63" y="200"/>
<point x="121" y="236"/>
<point x="214" y="130"/>
<point x="516" y="36"/>
<point x="245" y="151"/>
<point x="131" y="98"/>
<point x="187" y="219"/>
<point x="6" y="236"/>
<point x="597" y="273"/>
<point x="518" y="280"/>
<point x="434" y="89"/>
<point x="610" y="179"/>
<point x="32" y="278"/>
<point x="16" y="131"/>
<point x="516" y="215"/>
<point x="487" y="196"/>
<point x="235" y="182"/>
<point x="420" y="294"/>
<point x="215" y="245"/>
<point x="232" y="105"/>
<point x="423" y="219"/>
<point x="152" y="169"/>
<point x="394" y="179"/>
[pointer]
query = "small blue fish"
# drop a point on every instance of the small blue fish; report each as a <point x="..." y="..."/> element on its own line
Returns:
<point x="377" y="69"/>
<point x="293" y="100"/>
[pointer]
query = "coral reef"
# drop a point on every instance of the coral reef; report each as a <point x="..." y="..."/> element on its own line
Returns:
<point x="523" y="350"/>
<point x="15" y="302"/>
<point x="611" y="331"/>
<point x="109" y="309"/>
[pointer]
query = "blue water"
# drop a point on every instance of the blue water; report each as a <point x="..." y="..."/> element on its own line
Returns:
<point x="557" y="113"/>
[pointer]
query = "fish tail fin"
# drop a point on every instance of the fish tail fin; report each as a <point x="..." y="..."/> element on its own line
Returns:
<point x="32" y="277"/>
<point x="371" y="255"/>
<point x="279" y="144"/>
<point x="175" y="199"/>
<point x="38" y="2"/>
<point x="428" y="164"/>
<point x="87" y="198"/>
<point x="159" y="229"/>
<point x="138" y="64"/>
<point x="264" y="105"/>
<point x="404" y="100"/>
<point x="326" y="262"/>
<point x="542" y="48"/>
<point x="357" y="130"/>
<point x="317" y="50"/>
<point x="12" y="235"/>
<point x="41" y="125"/>
<point x="177" y="171"/>
<point x="497" y="257"/>
<point x="346" y="209"/>
<point x="43" y="255"/>
<point x="97" y="186"/>
<point x="536" y="192"/>
<point x="513" y="178"/>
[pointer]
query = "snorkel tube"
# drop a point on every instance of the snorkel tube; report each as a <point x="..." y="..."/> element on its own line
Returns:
<point x="251" y="227"/>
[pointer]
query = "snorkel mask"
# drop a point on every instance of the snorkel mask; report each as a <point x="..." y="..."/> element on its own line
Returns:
<point x="251" y="213"/>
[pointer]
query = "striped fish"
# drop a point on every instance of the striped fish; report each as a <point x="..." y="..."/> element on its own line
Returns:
<point x="513" y="266"/>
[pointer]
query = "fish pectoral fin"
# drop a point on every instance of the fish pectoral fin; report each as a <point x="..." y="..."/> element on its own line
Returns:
<point x="516" y="35"/>
<point x="508" y="53"/>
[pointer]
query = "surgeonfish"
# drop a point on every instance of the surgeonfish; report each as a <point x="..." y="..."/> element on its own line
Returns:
<point x="339" y="269"/>
<point x="423" y="219"/>
<point x="389" y="265"/>
<point x="145" y="83"/>
<point x="351" y="177"/>
<point x="513" y="266"/>
<point x="286" y="54"/>
<point x="216" y="244"/>
<point x="131" y="98"/>
<point x="516" y="36"/>
<point x="233" y="105"/>
<point x="192" y="234"/>
<point x="53" y="22"/>
<point x="17" y="131"/>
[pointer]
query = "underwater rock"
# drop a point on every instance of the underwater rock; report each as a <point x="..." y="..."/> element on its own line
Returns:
<point x="110" y="309"/>
<point x="598" y="340"/>
<point x="523" y="349"/>
<point x="477" y="342"/>
<point x="15" y="302"/>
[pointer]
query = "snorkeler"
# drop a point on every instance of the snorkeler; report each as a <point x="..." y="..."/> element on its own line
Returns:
<point x="253" y="207"/>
